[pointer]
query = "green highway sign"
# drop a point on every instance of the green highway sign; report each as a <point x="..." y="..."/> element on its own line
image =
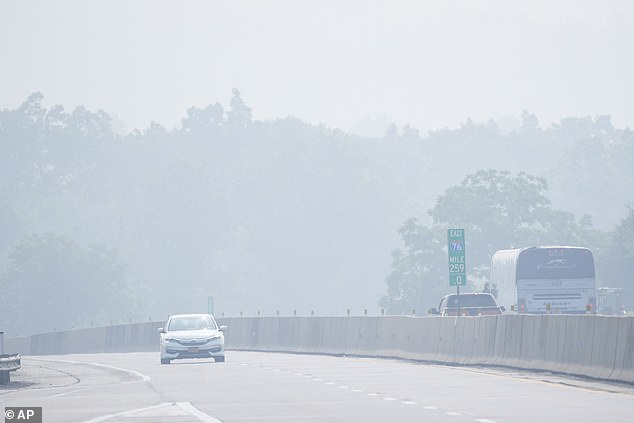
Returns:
<point x="456" y="252"/>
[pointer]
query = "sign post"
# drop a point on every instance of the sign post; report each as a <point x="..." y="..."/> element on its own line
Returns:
<point x="457" y="263"/>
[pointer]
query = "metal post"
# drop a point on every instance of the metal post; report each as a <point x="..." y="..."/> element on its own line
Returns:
<point x="458" y="293"/>
<point x="1" y="342"/>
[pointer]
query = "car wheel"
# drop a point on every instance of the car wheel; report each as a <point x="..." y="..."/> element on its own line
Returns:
<point x="219" y="359"/>
<point x="165" y="361"/>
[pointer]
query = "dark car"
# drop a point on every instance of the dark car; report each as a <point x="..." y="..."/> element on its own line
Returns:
<point x="471" y="304"/>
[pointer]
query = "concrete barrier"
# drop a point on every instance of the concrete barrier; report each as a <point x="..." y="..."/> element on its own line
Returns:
<point x="386" y="334"/>
<point x="511" y="339"/>
<point x="624" y="357"/>
<point x="593" y="346"/>
<point x="446" y="340"/>
<point x="429" y="330"/>
<point x="466" y="337"/>
<point x="604" y="347"/>
<point x="20" y="345"/>
<point x="499" y="342"/>
<point x="576" y="340"/>
<point x="483" y="340"/>
<point x="531" y="354"/>
<point x="554" y="333"/>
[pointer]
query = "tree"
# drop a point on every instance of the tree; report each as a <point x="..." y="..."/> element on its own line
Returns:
<point x="204" y="121"/>
<point x="417" y="275"/>
<point x="240" y="114"/>
<point x="624" y="234"/>
<point x="497" y="211"/>
<point x="53" y="283"/>
<point x="594" y="170"/>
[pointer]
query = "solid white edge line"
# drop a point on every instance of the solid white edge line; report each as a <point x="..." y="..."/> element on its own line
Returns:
<point x="123" y="413"/>
<point x="133" y="372"/>
<point x="189" y="408"/>
<point x="74" y="391"/>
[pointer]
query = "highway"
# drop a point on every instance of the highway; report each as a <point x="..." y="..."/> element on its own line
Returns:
<point x="275" y="387"/>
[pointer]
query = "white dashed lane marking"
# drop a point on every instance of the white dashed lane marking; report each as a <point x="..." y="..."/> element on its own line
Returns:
<point x="370" y="394"/>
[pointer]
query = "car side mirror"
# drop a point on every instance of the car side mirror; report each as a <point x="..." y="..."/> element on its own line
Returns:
<point x="503" y="308"/>
<point x="432" y="311"/>
<point x="223" y="328"/>
<point x="161" y="330"/>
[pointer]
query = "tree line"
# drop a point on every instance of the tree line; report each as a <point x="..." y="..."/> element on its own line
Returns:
<point x="99" y="225"/>
<point x="498" y="210"/>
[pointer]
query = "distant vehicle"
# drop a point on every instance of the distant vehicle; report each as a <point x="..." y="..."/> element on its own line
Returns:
<point x="545" y="279"/>
<point x="192" y="336"/>
<point x="471" y="304"/>
<point x="609" y="301"/>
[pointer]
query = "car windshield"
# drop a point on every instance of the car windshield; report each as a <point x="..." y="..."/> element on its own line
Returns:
<point x="471" y="301"/>
<point x="191" y="323"/>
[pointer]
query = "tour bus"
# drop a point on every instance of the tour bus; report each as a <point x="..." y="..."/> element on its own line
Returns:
<point x="545" y="279"/>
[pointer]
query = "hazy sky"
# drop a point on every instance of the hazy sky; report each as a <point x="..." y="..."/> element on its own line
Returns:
<point x="348" y="64"/>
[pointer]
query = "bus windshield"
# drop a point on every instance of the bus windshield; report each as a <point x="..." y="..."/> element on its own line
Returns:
<point x="555" y="263"/>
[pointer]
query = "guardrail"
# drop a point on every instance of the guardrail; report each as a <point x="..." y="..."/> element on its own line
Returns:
<point x="8" y="363"/>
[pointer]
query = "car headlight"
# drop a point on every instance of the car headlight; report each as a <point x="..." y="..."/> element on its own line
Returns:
<point x="170" y="339"/>
<point x="213" y="338"/>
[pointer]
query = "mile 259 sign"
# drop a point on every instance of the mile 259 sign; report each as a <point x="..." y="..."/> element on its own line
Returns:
<point x="456" y="252"/>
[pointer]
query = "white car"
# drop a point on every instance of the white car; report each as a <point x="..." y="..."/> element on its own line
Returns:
<point x="192" y="336"/>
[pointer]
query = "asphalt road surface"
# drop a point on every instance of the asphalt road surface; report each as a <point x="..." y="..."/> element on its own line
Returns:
<point x="270" y="387"/>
